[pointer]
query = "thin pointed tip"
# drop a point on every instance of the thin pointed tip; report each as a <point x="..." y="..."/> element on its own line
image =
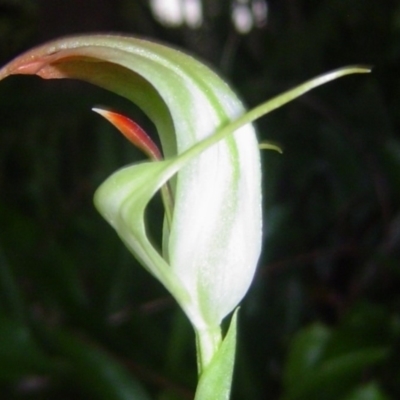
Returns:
<point x="270" y="146"/>
<point x="100" y="111"/>
<point x="107" y="114"/>
<point x="357" y="68"/>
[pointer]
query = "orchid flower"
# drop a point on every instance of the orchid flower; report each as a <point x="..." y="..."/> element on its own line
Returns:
<point x="210" y="177"/>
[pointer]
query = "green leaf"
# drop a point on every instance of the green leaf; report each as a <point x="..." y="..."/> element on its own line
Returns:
<point x="309" y="373"/>
<point x="306" y="352"/>
<point x="20" y="354"/>
<point x="331" y="362"/>
<point x="11" y="297"/>
<point x="98" y="373"/>
<point x="370" y="391"/>
<point x="366" y="325"/>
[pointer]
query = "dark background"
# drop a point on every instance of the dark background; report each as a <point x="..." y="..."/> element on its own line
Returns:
<point x="79" y="319"/>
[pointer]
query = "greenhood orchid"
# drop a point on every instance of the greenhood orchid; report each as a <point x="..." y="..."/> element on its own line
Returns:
<point x="210" y="176"/>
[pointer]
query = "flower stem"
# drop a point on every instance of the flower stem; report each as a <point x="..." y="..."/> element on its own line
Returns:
<point x="207" y="343"/>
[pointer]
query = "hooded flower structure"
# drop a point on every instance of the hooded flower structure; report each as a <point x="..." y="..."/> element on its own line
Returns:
<point x="212" y="232"/>
<point x="212" y="243"/>
<point x="211" y="249"/>
<point x="121" y="193"/>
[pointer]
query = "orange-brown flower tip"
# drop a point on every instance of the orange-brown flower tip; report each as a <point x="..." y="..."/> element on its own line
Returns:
<point x="133" y="132"/>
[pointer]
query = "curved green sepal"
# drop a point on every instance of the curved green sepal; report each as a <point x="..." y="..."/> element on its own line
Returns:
<point x="216" y="380"/>
<point x="122" y="200"/>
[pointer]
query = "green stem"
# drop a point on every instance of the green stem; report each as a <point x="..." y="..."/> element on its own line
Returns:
<point x="208" y="342"/>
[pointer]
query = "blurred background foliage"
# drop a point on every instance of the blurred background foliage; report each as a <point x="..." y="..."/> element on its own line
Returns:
<point x="79" y="319"/>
